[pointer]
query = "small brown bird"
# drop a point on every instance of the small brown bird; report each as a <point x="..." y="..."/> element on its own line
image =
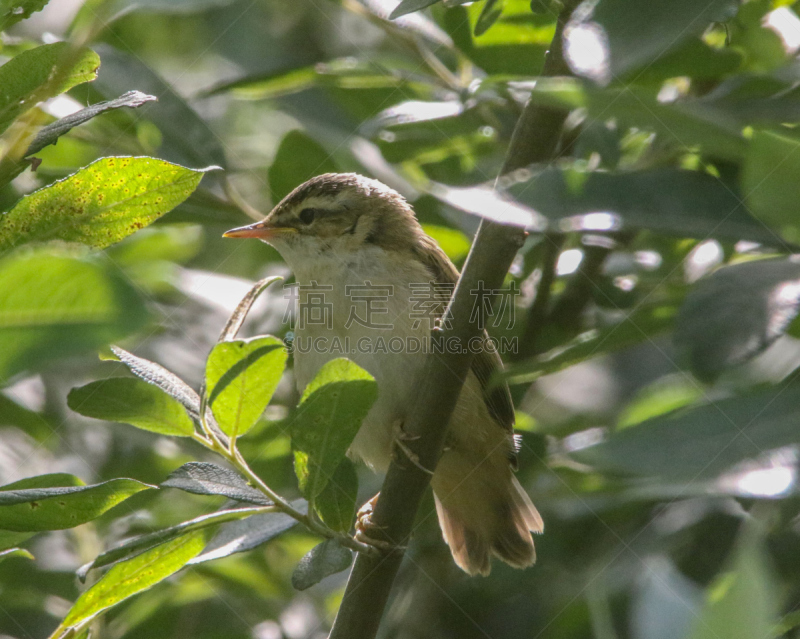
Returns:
<point x="357" y="245"/>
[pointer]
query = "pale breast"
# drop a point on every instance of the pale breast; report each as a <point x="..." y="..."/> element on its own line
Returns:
<point x="372" y="314"/>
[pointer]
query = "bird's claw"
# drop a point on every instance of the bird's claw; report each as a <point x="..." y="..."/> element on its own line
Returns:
<point x="364" y="525"/>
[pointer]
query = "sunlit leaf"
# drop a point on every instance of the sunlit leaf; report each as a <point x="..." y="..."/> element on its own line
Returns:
<point x="663" y="396"/>
<point x="336" y="503"/>
<point x="136" y="546"/>
<point x="36" y="75"/>
<point x="24" y="506"/>
<point x="203" y="478"/>
<point x="452" y="241"/>
<point x="54" y="305"/>
<point x="132" y="401"/>
<point x="491" y="11"/>
<point x="330" y="413"/>
<point x="322" y="560"/>
<point x="100" y="204"/>
<point x="134" y="576"/>
<point x="271" y="85"/>
<point x="736" y="313"/>
<point x="241" y="377"/>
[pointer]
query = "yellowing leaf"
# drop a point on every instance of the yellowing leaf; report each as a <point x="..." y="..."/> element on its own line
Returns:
<point x="100" y="204"/>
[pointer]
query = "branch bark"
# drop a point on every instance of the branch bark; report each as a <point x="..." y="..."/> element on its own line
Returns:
<point x="493" y="250"/>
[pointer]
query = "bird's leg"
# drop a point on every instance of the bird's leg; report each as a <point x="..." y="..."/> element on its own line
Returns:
<point x="365" y="526"/>
<point x="400" y="440"/>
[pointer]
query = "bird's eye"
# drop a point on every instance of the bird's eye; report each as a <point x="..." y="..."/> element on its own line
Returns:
<point x="307" y="215"/>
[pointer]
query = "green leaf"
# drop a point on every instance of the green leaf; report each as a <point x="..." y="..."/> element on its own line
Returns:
<point x="136" y="546"/>
<point x="15" y="552"/>
<point x="203" y="478"/>
<point x="682" y="124"/>
<point x="186" y="138"/>
<point x="336" y="503"/>
<point x="298" y="159"/>
<point x="330" y="413"/>
<point x="736" y="313"/>
<point x="322" y="560"/>
<point x="244" y="535"/>
<point x="177" y="243"/>
<point x="12" y="11"/>
<point x="743" y="601"/>
<point x="492" y="10"/>
<point x="695" y="444"/>
<point x="241" y="377"/>
<point x="100" y="204"/>
<point x="48" y="480"/>
<point x="34" y="424"/>
<point x="631" y="33"/>
<point x="769" y="181"/>
<point x="757" y="99"/>
<point x="637" y="327"/>
<point x="134" y="576"/>
<point x="659" y="398"/>
<point x="409" y="6"/>
<point x="451" y="241"/>
<point x="171" y="384"/>
<point x="168" y="6"/>
<point x="270" y="86"/>
<point x="53" y="306"/>
<point x="132" y="401"/>
<point x="694" y="59"/>
<point x="38" y="74"/>
<point x="9" y="539"/>
<point x="49" y="135"/>
<point x="24" y="506"/>
<point x="697" y="205"/>
<point x="159" y="376"/>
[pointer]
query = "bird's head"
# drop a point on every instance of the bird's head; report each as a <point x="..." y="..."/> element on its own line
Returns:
<point x="336" y="214"/>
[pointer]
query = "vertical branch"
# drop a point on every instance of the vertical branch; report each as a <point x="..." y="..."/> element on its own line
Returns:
<point x="440" y="383"/>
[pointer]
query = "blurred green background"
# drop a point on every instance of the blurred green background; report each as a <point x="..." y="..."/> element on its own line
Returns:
<point x="658" y="407"/>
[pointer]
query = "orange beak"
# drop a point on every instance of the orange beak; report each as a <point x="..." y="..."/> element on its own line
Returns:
<point x="260" y="230"/>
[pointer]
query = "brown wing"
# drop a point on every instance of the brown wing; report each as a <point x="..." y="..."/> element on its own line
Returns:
<point x="486" y="362"/>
